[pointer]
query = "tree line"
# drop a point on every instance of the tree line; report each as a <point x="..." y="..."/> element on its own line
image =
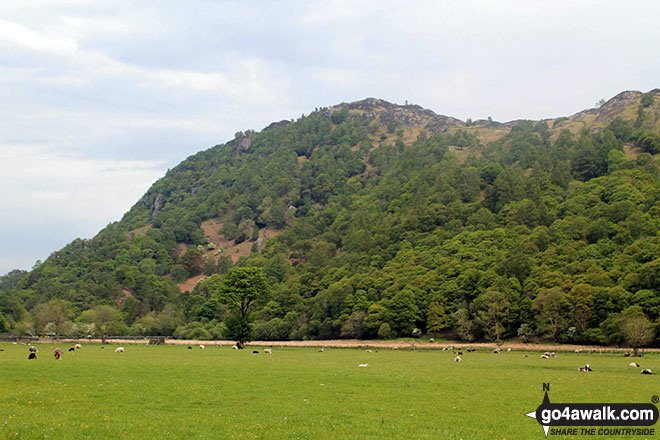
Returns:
<point x="538" y="235"/>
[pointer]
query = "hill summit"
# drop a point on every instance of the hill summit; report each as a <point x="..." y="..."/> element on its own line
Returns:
<point x="371" y="219"/>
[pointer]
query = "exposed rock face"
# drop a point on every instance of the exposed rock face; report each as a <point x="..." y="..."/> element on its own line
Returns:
<point x="612" y="108"/>
<point x="245" y="143"/>
<point x="158" y="203"/>
<point x="282" y="123"/>
<point x="400" y="115"/>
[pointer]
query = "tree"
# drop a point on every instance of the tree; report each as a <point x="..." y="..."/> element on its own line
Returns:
<point x="55" y="312"/>
<point x="403" y="312"/>
<point x="647" y="100"/>
<point x="3" y="324"/>
<point x="649" y="142"/>
<point x="242" y="289"/>
<point x="491" y="309"/>
<point x="636" y="328"/>
<point x="437" y="318"/>
<point x="552" y="308"/>
<point x="103" y="318"/>
<point x="526" y="333"/>
<point x="375" y="317"/>
<point x="582" y="300"/>
<point x="463" y="324"/>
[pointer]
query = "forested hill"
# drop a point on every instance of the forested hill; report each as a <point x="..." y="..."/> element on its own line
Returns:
<point x="371" y="219"/>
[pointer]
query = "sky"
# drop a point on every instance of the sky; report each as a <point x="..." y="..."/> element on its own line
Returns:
<point x="100" y="98"/>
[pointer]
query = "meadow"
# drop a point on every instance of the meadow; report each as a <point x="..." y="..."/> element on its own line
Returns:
<point x="167" y="392"/>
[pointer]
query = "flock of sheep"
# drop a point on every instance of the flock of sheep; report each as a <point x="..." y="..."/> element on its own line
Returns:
<point x="547" y="355"/>
<point x="58" y="352"/>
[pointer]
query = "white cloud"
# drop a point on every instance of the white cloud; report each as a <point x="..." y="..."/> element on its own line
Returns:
<point x="18" y="35"/>
<point x="101" y="97"/>
<point x="50" y="199"/>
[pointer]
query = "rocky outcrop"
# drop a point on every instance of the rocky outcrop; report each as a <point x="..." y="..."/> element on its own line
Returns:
<point x="158" y="203"/>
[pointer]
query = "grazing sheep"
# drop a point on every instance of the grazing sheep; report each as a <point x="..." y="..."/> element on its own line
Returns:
<point x="321" y="351"/>
<point x="553" y="354"/>
<point x="268" y="351"/>
<point x="235" y="347"/>
<point x="469" y="350"/>
<point x="255" y="352"/>
<point x="363" y="365"/>
<point x="431" y="340"/>
<point x="119" y="350"/>
<point x="577" y="351"/>
<point x="585" y="368"/>
<point x="457" y="359"/>
<point x="78" y="346"/>
<point x="508" y="349"/>
<point x="367" y="351"/>
<point x="496" y="351"/>
<point x="58" y="353"/>
<point x="33" y="349"/>
<point x="443" y="349"/>
<point x="626" y="354"/>
<point x="633" y="364"/>
<point x="395" y="348"/>
<point x="450" y="348"/>
<point x="202" y="346"/>
<point x="189" y="347"/>
<point x="32" y="355"/>
<point x="646" y="371"/>
<point x="544" y="356"/>
<point x="460" y="353"/>
<point x="72" y="349"/>
<point x="102" y="347"/>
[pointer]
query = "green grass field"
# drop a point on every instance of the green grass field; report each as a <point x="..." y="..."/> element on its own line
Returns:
<point x="154" y="392"/>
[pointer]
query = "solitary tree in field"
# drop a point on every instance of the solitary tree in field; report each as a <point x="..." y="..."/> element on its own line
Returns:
<point x="242" y="289"/>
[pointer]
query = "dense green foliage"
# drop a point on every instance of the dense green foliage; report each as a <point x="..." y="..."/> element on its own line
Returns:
<point x="554" y="231"/>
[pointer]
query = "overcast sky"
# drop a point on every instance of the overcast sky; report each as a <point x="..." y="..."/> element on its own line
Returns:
<point x="100" y="98"/>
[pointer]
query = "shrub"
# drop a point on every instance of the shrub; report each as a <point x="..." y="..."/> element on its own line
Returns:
<point x="384" y="331"/>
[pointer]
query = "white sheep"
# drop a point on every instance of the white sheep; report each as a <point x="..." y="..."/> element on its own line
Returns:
<point x="202" y="346"/>
<point x="646" y="371"/>
<point x="119" y="350"/>
<point x="457" y="359"/>
<point x="78" y="346"/>
<point x="363" y="365"/>
<point x="585" y="368"/>
<point x="33" y="349"/>
<point x="268" y="351"/>
<point x="235" y="347"/>
<point x="367" y="351"/>
<point x="633" y="364"/>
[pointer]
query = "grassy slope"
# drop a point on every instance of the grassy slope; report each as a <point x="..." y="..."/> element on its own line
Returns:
<point x="172" y="392"/>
